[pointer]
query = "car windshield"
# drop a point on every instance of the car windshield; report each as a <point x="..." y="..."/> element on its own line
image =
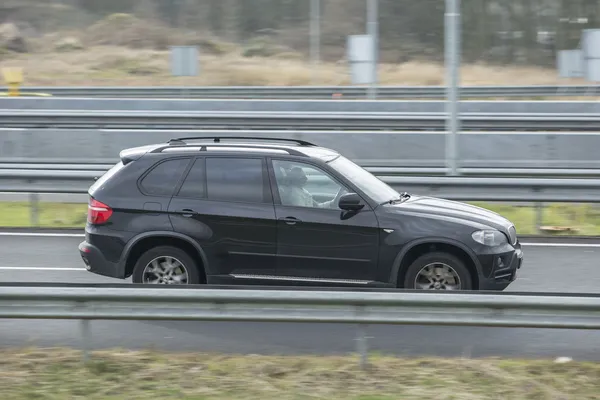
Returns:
<point x="367" y="182"/>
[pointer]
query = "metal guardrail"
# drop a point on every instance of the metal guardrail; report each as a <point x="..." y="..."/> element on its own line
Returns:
<point x="85" y="169"/>
<point x="330" y="106"/>
<point x="489" y="189"/>
<point x="348" y="121"/>
<point x="132" y="303"/>
<point x="538" y="153"/>
<point x="314" y="92"/>
<point x="492" y="189"/>
<point x="455" y="188"/>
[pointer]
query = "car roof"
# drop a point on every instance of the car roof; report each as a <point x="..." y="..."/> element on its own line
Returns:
<point x="234" y="144"/>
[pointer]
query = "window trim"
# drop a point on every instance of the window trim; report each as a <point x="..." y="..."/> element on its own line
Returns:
<point x="186" y="173"/>
<point x="154" y="166"/>
<point x="332" y="174"/>
<point x="267" y="192"/>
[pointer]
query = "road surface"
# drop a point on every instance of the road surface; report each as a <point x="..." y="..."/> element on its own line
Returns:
<point x="549" y="267"/>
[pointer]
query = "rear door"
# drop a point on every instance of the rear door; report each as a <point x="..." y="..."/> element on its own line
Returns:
<point x="225" y="204"/>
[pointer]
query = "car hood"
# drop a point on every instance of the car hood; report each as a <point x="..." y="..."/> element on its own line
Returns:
<point x="436" y="207"/>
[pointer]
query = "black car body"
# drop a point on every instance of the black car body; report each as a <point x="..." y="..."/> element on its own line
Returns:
<point x="196" y="211"/>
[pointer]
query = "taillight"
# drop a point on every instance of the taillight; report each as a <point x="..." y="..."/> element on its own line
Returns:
<point x="98" y="213"/>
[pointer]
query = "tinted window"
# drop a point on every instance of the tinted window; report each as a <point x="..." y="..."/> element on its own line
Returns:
<point x="235" y="179"/>
<point x="107" y="175"/>
<point x="194" y="183"/>
<point x="163" y="178"/>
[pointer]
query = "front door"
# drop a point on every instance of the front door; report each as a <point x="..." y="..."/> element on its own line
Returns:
<point x="316" y="240"/>
<point x="225" y="204"/>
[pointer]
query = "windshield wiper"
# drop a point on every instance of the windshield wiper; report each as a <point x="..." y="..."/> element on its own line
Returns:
<point x="404" y="196"/>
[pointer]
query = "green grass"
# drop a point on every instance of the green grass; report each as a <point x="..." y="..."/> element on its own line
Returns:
<point x="57" y="374"/>
<point x="51" y="215"/>
<point x="582" y="219"/>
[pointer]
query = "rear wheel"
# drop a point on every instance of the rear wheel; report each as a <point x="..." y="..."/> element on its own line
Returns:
<point x="166" y="265"/>
<point x="438" y="271"/>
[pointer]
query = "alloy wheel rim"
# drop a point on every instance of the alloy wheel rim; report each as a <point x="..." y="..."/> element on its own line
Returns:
<point x="437" y="276"/>
<point x="165" y="270"/>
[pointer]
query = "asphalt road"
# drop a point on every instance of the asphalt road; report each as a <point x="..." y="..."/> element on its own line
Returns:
<point x="549" y="267"/>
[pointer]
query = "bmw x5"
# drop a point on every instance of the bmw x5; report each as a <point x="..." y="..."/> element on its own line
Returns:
<point x="285" y="212"/>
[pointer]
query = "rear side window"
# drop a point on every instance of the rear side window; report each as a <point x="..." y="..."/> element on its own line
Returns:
<point x="195" y="181"/>
<point x="162" y="179"/>
<point x="235" y="179"/>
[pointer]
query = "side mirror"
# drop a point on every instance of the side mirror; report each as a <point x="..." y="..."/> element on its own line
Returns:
<point x="350" y="202"/>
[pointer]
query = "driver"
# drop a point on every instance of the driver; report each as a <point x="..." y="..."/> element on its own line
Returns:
<point x="298" y="196"/>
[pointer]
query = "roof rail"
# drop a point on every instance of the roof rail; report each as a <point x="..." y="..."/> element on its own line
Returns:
<point x="217" y="139"/>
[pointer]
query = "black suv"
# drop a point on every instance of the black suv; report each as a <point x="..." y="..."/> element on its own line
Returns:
<point x="282" y="211"/>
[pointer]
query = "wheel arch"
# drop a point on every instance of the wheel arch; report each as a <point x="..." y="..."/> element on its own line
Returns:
<point x="416" y="248"/>
<point x="144" y="241"/>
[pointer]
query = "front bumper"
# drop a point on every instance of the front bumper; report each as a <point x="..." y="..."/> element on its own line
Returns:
<point x="504" y="267"/>
<point x="95" y="262"/>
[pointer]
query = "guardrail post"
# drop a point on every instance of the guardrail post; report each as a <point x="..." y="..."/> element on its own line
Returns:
<point x="539" y="216"/>
<point x="85" y="339"/>
<point x="34" y="209"/>
<point x="362" y="345"/>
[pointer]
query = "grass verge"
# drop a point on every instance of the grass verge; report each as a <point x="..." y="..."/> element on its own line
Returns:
<point x="578" y="219"/>
<point x="54" y="374"/>
<point x="111" y="65"/>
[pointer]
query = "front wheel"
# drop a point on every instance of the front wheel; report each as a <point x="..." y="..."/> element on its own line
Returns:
<point x="166" y="265"/>
<point x="438" y="271"/>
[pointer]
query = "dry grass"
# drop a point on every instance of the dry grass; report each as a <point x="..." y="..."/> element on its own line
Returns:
<point x="127" y="49"/>
<point x="59" y="374"/>
<point x="122" y="66"/>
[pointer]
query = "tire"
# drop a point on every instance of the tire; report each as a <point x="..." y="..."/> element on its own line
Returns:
<point x="464" y="276"/>
<point x="169" y="252"/>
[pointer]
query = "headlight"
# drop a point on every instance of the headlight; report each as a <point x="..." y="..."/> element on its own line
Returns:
<point x="489" y="237"/>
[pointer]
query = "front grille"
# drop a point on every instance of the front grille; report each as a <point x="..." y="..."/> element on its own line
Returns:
<point x="512" y="233"/>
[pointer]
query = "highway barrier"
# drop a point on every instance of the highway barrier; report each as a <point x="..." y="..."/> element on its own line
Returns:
<point x="275" y="304"/>
<point x="312" y="92"/>
<point x="348" y="121"/>
<point x="480" y="153"/>
<point x="298" y="106"/>
<point x="454" y="188"/>
<point x="490" y="189"/>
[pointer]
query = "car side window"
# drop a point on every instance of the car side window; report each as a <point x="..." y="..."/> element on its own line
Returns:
<point x="194" y="185"/>
<point x="163" y="177"/>
<point x="303" y="185"/>
<point x="236" y="179"/>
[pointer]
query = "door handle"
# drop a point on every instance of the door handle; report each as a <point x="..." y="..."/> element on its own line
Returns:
<point x="290" y="220"/>
<point x="186" y="212"/>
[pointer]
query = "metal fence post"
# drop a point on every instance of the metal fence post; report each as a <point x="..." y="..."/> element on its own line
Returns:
<point x="85" y="339"/>
<point x="34" y="209"/>
<point x="362" y="345"/>
<point x="452" y="36"/>
<point x="315" y="37"/>
<point x="372" y="31"/>
<point x="539" y="216"/>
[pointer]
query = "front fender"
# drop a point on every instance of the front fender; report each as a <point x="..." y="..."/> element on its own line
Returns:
<point x="430" y="240"/>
